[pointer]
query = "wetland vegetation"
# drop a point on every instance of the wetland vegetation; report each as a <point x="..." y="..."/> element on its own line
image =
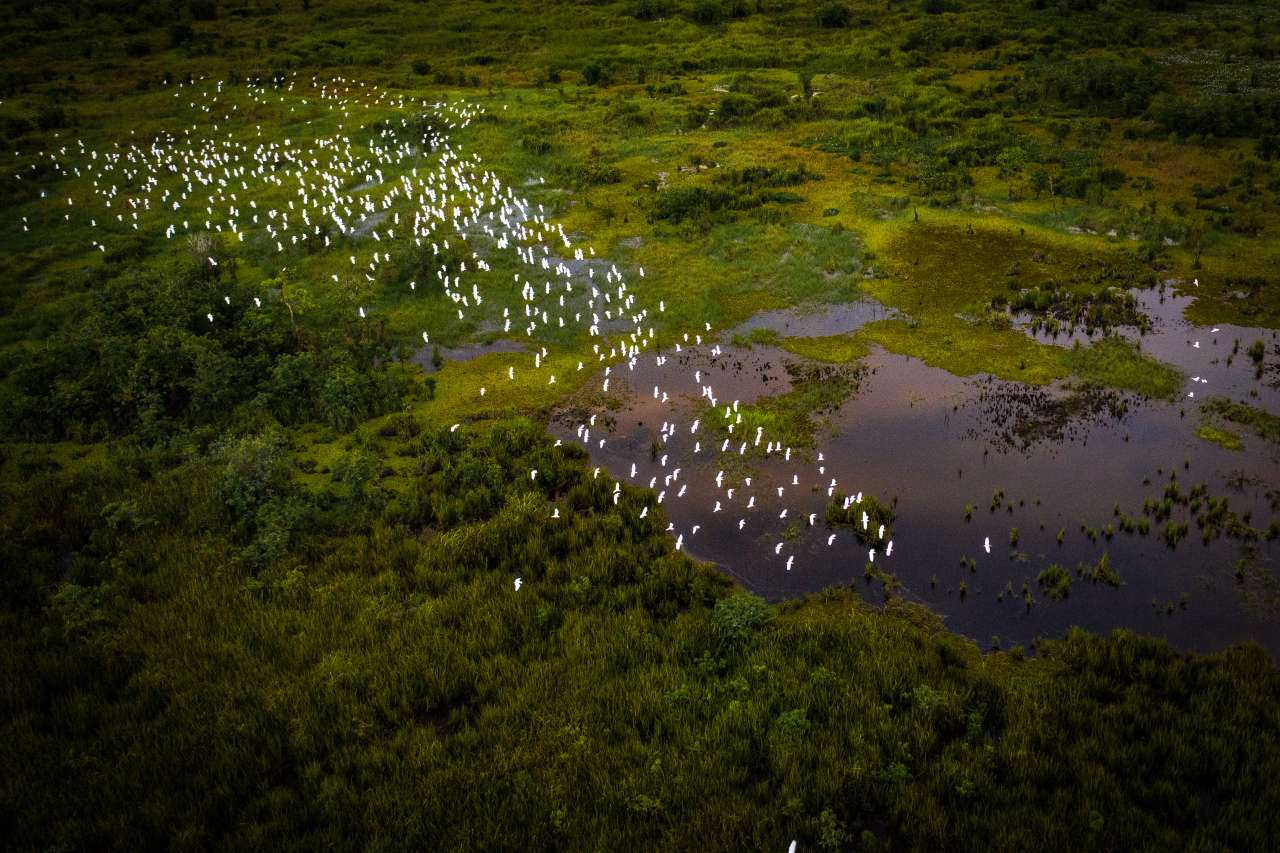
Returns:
<point x="292" y="556"/>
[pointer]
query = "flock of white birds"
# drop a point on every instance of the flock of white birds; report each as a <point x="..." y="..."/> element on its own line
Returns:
<point x="392" y="190"/>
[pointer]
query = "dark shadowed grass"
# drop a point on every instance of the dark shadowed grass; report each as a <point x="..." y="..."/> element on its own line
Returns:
<point x="190" y="683"/>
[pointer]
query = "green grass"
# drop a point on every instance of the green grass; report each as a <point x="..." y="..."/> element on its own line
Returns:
<point x="835" y="349"/>
<point x="1114" y="362"/>
<point x="258" y="595"/>
<point x="370" y="676"/>
<point x="966" y="348"/>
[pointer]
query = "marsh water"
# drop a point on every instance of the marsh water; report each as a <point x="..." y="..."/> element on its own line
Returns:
<point x="1063" y="458"/>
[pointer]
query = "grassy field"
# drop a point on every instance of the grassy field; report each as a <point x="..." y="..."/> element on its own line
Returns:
<point x="258" y="593"/>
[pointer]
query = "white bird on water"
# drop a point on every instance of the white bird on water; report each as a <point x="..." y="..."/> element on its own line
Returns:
<point x="986" y="544"/>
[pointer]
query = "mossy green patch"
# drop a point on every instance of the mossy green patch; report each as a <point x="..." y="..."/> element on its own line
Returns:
<point x="1263" y="423"/>
<point x="967" y="347"/>
<point x="1117" y="363"/>
<point x="836" y="349"/>
<point x="1220" y="437"/>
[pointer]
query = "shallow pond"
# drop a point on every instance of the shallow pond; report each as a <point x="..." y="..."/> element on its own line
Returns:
<point x="937" y="443"/>
<point x="817" y="321"/>
<point x="1202" y="352"/>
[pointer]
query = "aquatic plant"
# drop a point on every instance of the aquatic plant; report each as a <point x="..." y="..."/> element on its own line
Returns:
<point x="1055" y="581"/>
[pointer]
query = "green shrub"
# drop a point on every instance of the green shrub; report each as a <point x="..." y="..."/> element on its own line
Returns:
<point x="737" y="617"/>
